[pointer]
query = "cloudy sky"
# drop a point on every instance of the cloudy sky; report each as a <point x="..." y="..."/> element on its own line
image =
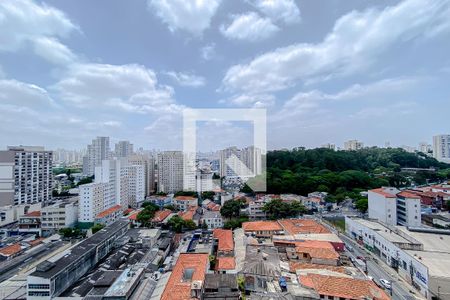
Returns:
<point x="325" y="70"/>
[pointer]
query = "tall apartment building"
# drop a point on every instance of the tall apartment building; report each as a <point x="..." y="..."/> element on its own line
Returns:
<point x="246" y="162"/>
<point x="329" y="146"/>
<point x="148" y="163"/>
<point x="425" y="148"/>
<point x="62" y="214"/>
<point x="170" y="171"/>
<point x="96" y="152"/>
<point x="123" y="149"/>
<point x="441" y="147"/>
<point x="25" y="175"/>
<point x="117" y="184"/>
<point x="353" y="145"/>
<point x="393" y="207"/>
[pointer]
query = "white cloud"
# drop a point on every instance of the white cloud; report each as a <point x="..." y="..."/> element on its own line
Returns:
<point x="24" y="21"/>
<point x="279" y="10"/>
<point x="131" y="88"/>
<point x="251" y="100"/>
<point x="2" y="73"/>
<point x="305" y="102"/>
<point x="193" y="16"/>
<point x="207" y="52"/>
<point x="355" y="43"/>
<point x="249" y="26"/>
<point x="20" y="94"/>
<point x="53" y="51"/>
<point x="187" y="79"/>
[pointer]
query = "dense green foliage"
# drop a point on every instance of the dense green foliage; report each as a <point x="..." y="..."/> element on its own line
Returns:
<point x="97" y="227"/>
<point x="235" y="222"/>
<point x="303" y="171"/>
<point x="186" y="193"/>
<point x="177" y="224"/>
<point x="362" y="205"/>
<point x="146" y="215"/>
<point x="232" y="208"/>
<point x="208" y="195"/>
<point x="70" y="232"/>
<point x="277" y="209"/>
<point x="85" y="180"/>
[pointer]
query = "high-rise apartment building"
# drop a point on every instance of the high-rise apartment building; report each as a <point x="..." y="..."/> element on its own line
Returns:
<point x="353" y="145"/>
<point x="123" y="149"/>
<point x="117" y="185"/>
<point x="170" y="171"/>
<point x="96" y="152"/>
<point x="425" y="148"/>
<point x="25" y="175"/>
<point x="441" y="147"/>
<point x="148" y="162"/>
<point x="246" y="162"/>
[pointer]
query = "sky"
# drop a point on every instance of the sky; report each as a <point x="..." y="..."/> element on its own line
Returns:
<point x="325" y="71"/>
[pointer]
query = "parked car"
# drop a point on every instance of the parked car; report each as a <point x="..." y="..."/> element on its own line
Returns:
<point x="349" y="248"/>
<point x="386" y="284"/>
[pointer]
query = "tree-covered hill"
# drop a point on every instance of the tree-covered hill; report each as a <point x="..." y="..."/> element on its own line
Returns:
<point x="302" y="171"/>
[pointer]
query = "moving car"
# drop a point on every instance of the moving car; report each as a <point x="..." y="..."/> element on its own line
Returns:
<point x="386" y="284"/>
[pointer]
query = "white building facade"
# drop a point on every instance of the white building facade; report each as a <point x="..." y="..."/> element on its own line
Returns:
<point x="441" y="147"/>
<point x="96" y="152"/>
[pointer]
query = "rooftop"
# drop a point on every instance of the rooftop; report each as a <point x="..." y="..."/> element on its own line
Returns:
<point x="190" y="267"/>
<point x="53" y="266"/>
<point x="35" y="213"/>
<point x="185" y="198"/>
<point x="385" y="232"/>
<point x="317" y="252"/>
<point x="262" y="226"/>
<point x="294" y="266"/>
<point x="296" y="226"/>
<point x="225" y="238"/>
<point x="437" y="263"/>
<point x="109" y="211"/>
<point x="11" y="249"/>
<point x="329" y="237"/>
<point x="161" y="215"/>
<point x="384" y="192"/>
<point x="225" y="263"/>
<point x="342" y="287"/>
<point x="407" y="194"/>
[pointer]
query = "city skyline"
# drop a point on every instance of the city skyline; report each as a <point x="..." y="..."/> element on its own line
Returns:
<point x="322" y="74"/>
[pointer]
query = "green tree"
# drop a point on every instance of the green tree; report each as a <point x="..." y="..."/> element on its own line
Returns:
<point x="362" y="204"/>
<point x="232" y="208"/>
<point x="146" y="215"/>
<point x="97" y="227"/>
<point x="277" y="209"/>
<point x="176" y="223"/>
<point x="208" y="195"/>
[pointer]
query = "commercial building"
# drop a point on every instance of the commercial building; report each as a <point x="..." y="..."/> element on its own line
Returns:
<point x="123" y="149"/>
<point x="441" y="147"/>
<point x="55" y="275"/>
<point x="170" y="171"/>
<point x="11" y="213"/>
<point x="25" y="175"/>
<point x="353" y="145"/>
<point x="421" y="256"/>
<point x="30" y="223"/>
<point x="96" y="152"/>
<point x="61" y="214"/>
<point x="392" y="206"/>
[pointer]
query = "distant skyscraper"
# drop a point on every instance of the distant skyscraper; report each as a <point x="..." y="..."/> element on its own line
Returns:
<point x="425" y="148"/>
<point x="25" y="175"/>
<point x="353" y="145"/>
<point x="148" y="163"/>
<point x="123" y="149"/>
<point x="96" y="152"/>
<point x="170" y="171"/>
<point x="441" y="147"/>
<point x="329" y="146"/>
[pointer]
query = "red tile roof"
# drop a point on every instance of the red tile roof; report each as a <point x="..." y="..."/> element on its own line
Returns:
<point x="185" y="198"/>
<point x="133" y="217"/>
<point x="161" y="215"/>
<point x="213" y="206"/>
<point x="11" y="250"/>
<point x="225" y="263"/>
<point x="296" y="226"/>
<point x="342" y="287"/>
<point x="262" y="226"/>
<point x="35" y="242"/>
<point x="382" y="192"/>
<point x="321" y="253"/>
<point x="127" y="211"/>
<point x="35" y="213"/>
<point x="408" y="194"/>
<point x="225" y="237"/>
<point x="188" y="215"/>
<point x="178" y="288"/>
<point x="109" y="211"/>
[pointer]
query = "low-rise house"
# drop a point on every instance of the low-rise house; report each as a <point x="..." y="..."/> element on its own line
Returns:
<point x="161" y="201"/>
<point x="187" y="278"/>
<point x="10" y="251"/>
<point x="161" y="216"/>
<point x="262" y="228"/>
<point x="255" y="210"/>
<point x="225" y="262"/>
<point x="221" y="286"/>
<point x="184" y="202"/>
<point x="334" y="287"/>
<point x="213" y="219"/>
<point x="298" y="226"/>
